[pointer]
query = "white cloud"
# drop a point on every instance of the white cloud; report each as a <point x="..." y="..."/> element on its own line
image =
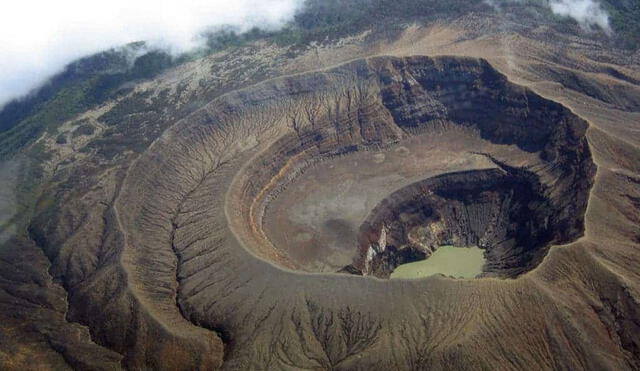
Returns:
<point x="39" y="37"/>
<point x="587" y="12"/>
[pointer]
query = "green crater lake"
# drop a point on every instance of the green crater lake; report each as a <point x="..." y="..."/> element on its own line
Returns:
<point x="461" y="262"/>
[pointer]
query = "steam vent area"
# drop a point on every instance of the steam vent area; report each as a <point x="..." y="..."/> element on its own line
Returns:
<point x="378" y="163"/>
<point x="396" y="157"/>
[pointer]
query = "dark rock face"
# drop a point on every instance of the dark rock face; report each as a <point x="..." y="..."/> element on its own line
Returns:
<point x="504" y="212"/>
<point x="470" y="92"/>
<point x="511" y="213"/>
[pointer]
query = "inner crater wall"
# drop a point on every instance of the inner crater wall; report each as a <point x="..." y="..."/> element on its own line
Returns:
<point x="504" y="212"/>
<point x="536" y="197"/>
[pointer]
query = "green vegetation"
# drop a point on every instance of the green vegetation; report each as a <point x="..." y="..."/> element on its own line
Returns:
<point x="61" y="139"/>
<point x="327" y="19"/>
<point x="83" y="129"/>
<point x="92" y="80"/>
<point x="83" y="84"/>
<point x="624" y="17"/>
<point x="625" y="21"/>
<point x="229" y="38"/>
<point x="77" y="72"/>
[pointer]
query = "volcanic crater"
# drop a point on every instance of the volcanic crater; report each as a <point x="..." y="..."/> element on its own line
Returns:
<point x="393" y="158"/>
<point x="248" y="206"/>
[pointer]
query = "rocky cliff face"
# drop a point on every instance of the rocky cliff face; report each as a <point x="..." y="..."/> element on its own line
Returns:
<point x="506" y="214"/>
<point x="515" y="213"/>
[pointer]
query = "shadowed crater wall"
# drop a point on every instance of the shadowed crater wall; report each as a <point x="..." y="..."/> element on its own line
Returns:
<point x="505" y="212"/>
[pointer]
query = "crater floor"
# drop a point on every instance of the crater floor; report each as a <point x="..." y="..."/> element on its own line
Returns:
<point x="316" y="219"/>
